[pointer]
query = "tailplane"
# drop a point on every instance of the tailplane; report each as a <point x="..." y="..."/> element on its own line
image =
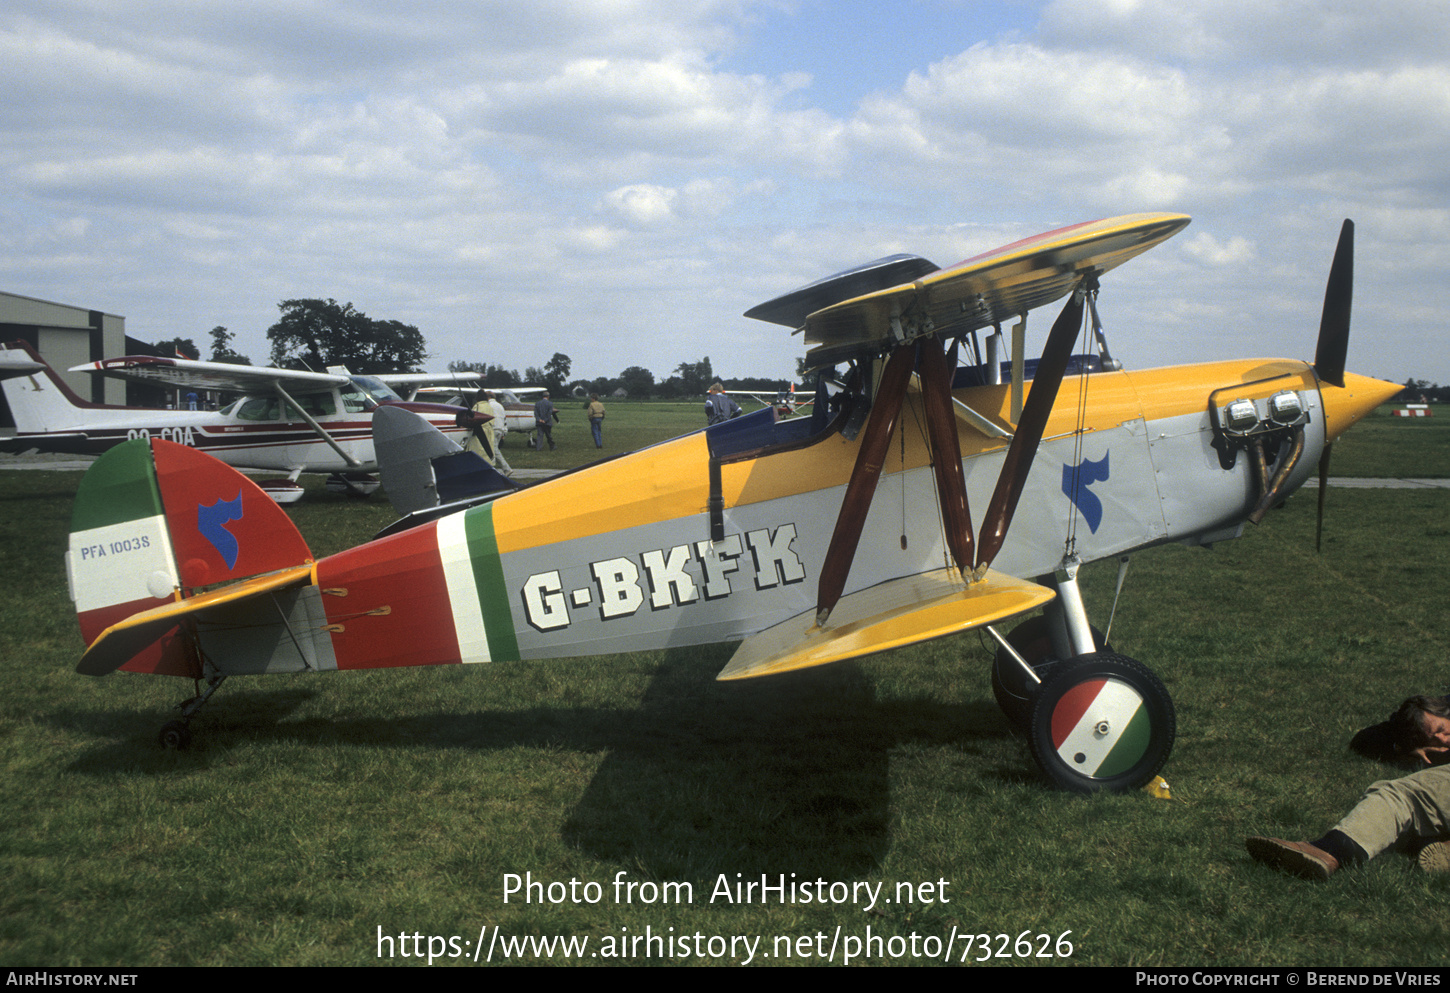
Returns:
<point x="39" y="400"/>
<point x="422" y="468"/>
<point x="154" y="522"/>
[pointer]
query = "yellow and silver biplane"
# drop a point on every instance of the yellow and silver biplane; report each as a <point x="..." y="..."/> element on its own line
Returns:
<point x="806" y="540"/>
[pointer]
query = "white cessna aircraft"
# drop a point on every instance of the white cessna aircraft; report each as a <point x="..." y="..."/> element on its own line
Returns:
<point x="286" y="420"/>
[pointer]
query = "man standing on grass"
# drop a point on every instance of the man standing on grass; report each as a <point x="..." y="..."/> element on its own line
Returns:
<point x="595" y="410"/>
<point x="499" y="425"/>
<point x="1416" y="807"/>
<point x="544" y="418"/>
<point x="718" y="406"/>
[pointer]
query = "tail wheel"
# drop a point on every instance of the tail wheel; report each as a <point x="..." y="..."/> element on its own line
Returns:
<point x="1102" y="722"/>
<point x="175" y="736"/>
<point x="1016" y="693"/>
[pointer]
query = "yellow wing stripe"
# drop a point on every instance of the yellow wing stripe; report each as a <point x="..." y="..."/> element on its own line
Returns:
<point x="896" y="613"/>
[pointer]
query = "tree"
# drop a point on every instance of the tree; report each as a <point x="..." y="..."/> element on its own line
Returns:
<point x="637" y="381"/>
<point x="221" y="347"/>
<point x="178" y="347"/>
<point x="314" y="334"/>
<point x="695" y="377"/>
<point x="556" y="371"/>
<point x="494" y="376"/>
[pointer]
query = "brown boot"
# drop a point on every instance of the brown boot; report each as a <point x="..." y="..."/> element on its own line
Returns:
<point x="1435" y="857"/>
<point x="1298" y="858"/>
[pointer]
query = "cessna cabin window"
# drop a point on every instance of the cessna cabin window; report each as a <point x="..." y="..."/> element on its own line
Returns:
<point x="318" y="404"/>
<point x="365" y="393"/>
<point x="259" y="409"/>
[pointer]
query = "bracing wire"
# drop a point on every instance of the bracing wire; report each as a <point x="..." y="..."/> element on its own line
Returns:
<point x="1075" y="473"/>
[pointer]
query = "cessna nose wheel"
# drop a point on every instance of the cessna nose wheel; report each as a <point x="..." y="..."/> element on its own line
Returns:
<point x="1102" y="722"/>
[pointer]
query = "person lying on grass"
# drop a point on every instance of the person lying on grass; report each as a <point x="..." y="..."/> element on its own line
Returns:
<point x="1413" y="809"/>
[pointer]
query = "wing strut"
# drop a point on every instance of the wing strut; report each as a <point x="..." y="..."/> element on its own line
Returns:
<point x="1030" y="427"/>
<point x="862" y="486"/>
<point x="321" y="431"/>
<point x="946" y="451"/>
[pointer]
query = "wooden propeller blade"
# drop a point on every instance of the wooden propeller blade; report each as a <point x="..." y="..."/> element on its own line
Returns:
<point x="1333" y="346"/>
<point x="862" y="485"/>
<point x="941" y="428"/>
<point x="1030" y="426"/>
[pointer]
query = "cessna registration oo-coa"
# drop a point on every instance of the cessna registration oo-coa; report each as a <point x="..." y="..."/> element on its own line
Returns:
<point x="774" y="533"/>
<point x="288" y="420"/>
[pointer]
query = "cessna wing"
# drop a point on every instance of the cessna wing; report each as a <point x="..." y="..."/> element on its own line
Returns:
<point x="363" y="393"/>
<point x="285" y="420"/>
<point x="785" y="401"/>
<point x="409" y="383"/>
<point x="191" y="374"/>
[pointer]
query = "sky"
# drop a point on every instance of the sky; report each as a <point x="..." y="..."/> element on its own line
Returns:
<point x="619" y="180"/>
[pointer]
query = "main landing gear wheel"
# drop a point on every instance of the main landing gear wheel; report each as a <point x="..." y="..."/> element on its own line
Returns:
<point x="175" y="736"/>
<point x="1016" y="693"/>
<point x="1102" y="722"/>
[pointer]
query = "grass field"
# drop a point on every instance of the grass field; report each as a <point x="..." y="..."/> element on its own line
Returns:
<point x="315" y="812"/>
<point x="628" y="426"/>
<point x="1385" y="445"/>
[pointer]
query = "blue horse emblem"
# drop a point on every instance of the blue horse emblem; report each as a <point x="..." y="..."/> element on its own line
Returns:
<point x="211" y="521"/>
<point x="1075" y="483"/>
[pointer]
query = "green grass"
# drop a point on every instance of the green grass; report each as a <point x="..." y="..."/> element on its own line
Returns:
<point x="314" y="810"/>
<point x="1385" y="445"/>
<point x="629" y="425"/>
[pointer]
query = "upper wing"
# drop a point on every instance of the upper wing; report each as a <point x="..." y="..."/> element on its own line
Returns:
<point x="990" y="288"/>
<point x="791" y="309"/>
<point x="195" y="375"/>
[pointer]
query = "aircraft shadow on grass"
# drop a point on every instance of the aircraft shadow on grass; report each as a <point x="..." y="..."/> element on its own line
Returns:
<point x="700" y="778"/>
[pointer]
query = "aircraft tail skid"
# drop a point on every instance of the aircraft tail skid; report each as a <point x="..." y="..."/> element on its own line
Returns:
<point x="155" y="522"/>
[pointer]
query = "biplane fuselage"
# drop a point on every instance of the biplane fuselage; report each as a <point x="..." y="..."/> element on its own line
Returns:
<point x="618" y="557"/>
<point x="806" y="540"/>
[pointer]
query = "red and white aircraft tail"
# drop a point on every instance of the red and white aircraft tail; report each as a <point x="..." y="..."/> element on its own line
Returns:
<point x="40" y="401"/>
<point x="155" y="522"/>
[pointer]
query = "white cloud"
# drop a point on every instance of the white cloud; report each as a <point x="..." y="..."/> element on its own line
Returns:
<point x="644" y="204"/>
<point x="1209" y="250"/>
<point x="537" y="167"/>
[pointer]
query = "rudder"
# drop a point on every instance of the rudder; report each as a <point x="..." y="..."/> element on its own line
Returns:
<point x="153" y="522"/>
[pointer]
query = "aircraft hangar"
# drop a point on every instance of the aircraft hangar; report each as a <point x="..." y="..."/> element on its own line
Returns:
<point x="66" y="335"/>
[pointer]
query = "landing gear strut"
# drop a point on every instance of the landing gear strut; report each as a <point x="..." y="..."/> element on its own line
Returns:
<point x="1095" y="720"/>
<point x="176" y="735"/>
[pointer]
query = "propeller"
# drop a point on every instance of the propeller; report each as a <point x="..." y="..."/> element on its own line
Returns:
<point x="1333" y="346"/>
<point x="947" y="462"/>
